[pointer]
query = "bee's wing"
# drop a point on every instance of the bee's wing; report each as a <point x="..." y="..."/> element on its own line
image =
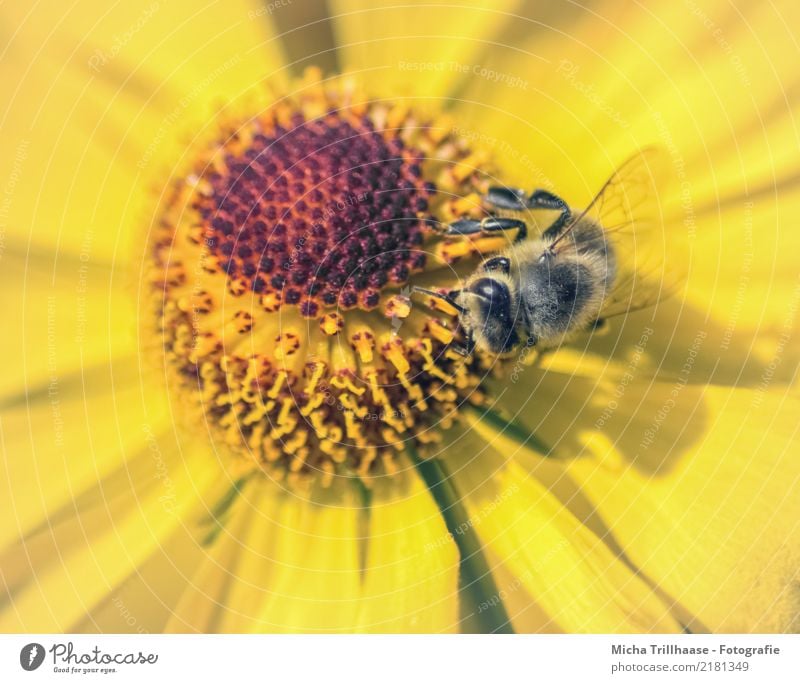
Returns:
<point x="647" y="260"/>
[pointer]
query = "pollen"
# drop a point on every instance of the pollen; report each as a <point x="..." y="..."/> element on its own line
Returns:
<point x="280" y="271"/>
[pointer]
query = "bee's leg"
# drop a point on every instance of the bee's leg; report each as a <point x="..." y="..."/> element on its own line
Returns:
<point x="512" y="199"/>
<point x="542" y="199"/>
<point x="468" y="226"/>
<point x="507" y="198"/>
<point x="468" y="347"/>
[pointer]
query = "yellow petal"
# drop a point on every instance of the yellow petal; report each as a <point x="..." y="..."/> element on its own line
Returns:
<point x="411" y="584"/>
<point x="525" y="613"/>
<point x="565" y="568"/>
<point x="86" y="565"/>
<point x="102" y="99"/>
<point x="743" y="271"/>
<point x="715" y="524"/>
<point x="65" y="318"/>
<point x="705" y="84"/>
<point x="308" y="558"/>
<point x="298" y="569"/>
<point x="69" y="439"/>
<point x="288" y="564"/>
<point x="202" y="599"/>
<point x="416" y="48"/>
<point x="147" y="599"/>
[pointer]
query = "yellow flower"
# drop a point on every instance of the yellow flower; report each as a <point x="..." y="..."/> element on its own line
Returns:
<point x="643" y="480"/>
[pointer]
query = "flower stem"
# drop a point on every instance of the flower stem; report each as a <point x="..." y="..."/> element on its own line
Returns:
<point x="476" y="582"/>
<point x="216" y="519"/>
<point x="512" y="430"/>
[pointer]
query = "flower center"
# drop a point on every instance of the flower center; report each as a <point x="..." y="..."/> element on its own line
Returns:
<point x="321" y="212"/>
<point x="280" y="271"/>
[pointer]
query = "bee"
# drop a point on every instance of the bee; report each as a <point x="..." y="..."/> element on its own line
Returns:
<point x="583" y="268"/>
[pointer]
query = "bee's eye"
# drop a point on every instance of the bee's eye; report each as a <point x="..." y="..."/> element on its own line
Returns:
<point x="495" y="297"/>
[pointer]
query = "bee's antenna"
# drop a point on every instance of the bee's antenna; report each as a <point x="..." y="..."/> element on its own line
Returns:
<point x="446" y="298"/>
<point x="567" y="230"/>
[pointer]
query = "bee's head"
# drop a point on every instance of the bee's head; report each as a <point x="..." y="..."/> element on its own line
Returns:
<point x="488" y="312"/>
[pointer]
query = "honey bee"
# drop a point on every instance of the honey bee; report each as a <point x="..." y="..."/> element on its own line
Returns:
<point x="583" y="268"/>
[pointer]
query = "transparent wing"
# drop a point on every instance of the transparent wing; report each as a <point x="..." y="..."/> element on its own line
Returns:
<point x="647" y="258"/>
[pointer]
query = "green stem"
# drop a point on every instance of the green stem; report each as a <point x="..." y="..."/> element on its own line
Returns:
<point x="363" y="524"/>
<point x="216" y="519"/>
<point x="476" y="581"/>
<point x="512" y="430"/>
